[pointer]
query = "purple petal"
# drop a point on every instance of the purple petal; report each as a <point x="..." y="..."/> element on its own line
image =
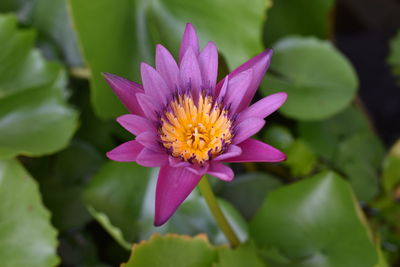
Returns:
<point x="257" y="151"/>
<point x="232" y="151"/>
<point x="259" y="64"/>
<point x="198" y="170"/>
<point x="175" y="162"/>
<point x="167" y="67"/>
<point x="190" y="75"/>
<point x="247" y="128"/>
<point x="237" y="88"/>
<point x="189" y="40"/>
<point x="147" y="105"/>
<point x="126" y="91"/>
<point x="173" y="187"/>
<point x="263" y="107"/>
<point x="208" y="61"/>
<point x="221" y="171"/>
<point x="149" y="140"/>
<point x="224" y="88"/>
<point x="126" y="152"/>
<point x="135" y="124"/>
<point x="154" y="85"/>
<point x="150" y="158"/>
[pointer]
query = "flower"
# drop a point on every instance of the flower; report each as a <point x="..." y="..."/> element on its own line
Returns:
<point x="187" y="124"/>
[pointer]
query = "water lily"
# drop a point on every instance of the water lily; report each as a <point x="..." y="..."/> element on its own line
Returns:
<point x="188" y="124"/>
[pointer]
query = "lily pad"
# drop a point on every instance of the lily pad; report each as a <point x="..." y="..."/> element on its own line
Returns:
<point x="319" y="80"/>
<point x="315" y="222"/>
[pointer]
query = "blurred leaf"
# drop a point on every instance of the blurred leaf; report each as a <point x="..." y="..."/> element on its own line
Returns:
<point x="56" y="37"/>
<point x="359" y="156"/>
<point x="129" y="30"/>
<point x="300" y="17"/>
<point x="278" y="136"/>
<point x="346" y="143"/>
<point x="115" y="196"/>
<point x="192" y="217"/>
<point x="300" y="158"/>
<point x="173" y="250"/>
<point x="315" y="92"/>
<point x="324" y="136"/>
<point x="315" y="222"/>
<point x="51" y="19"/>
<point x="247" y="191"/>
<point x="394" y="54"/>
<point x="34" y="116"/>
<point x="391" y="169"/>
<point x="26" y="235"/>
<point x="62" y="178"/>
<point x="243" y="256"/>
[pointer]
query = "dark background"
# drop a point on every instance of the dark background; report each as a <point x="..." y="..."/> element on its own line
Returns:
<point x="363" y="29"/>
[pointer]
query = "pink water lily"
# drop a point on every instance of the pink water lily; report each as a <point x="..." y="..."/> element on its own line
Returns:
<point x="188" y="124"/>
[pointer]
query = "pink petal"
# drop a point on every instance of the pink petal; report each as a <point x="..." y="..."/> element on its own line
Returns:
<point x="173" y="187"/>
<point x="149" y="140"/>
<point x="257" y="151"/>
<point x="248" y="128"/>
<point x="232" y="151"/>
<point x="221" y="171"/>
<point x="189" y="40"/>
<point x="259" y="64"/>
<point x="263" y="107"/>
<point x="208" y="61"/>
<point x="154" y="85"/>
<point x="237" y="88"/>
<point x="224" y="87"/>
<point x="150" y="158"/>
<point x="198" y="170"/>
<point x="175" y="162"/>
<point x="147" y="105"/>
<point x="190" y="76"/>
<point x="167" y="67"/>
<point x="126" y="152"/>
<point x="135" y="124"/>
<point x="126" y="91"/>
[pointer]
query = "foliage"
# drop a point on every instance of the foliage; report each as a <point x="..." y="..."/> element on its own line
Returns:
<point x="56" y="180"/>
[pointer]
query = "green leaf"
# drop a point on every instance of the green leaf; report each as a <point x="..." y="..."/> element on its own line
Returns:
<point x="51" y="19"/>
<point x="300" y="158"/>
<point x="115" y="196"/>
<point x="315" y="222"/>
<point x="34" y="116"/>
<point x="278" y="136"/>
<point x="62" y="178"/>
<point x="129" y="30"/>
<point x="391" y="169"/>
<point x="346" y="143"/>
<point x="244" y="255"/>
<point x="394" y="55"/>
<point x="359" y="156"/>
<point x="173" y="250"/>
<point x="26" y="235"/>
<point x="247" y="191"/>
<point x="320" y="81"/>
<point x="301" y="17"/>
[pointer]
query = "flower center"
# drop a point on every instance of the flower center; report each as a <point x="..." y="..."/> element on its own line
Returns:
<point x="195" y="133"/>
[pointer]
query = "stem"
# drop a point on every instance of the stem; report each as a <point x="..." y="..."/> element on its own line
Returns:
<point x="216" y="211"/>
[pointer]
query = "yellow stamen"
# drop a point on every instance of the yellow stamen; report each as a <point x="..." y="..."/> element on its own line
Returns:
<point x="195" y="133"/>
